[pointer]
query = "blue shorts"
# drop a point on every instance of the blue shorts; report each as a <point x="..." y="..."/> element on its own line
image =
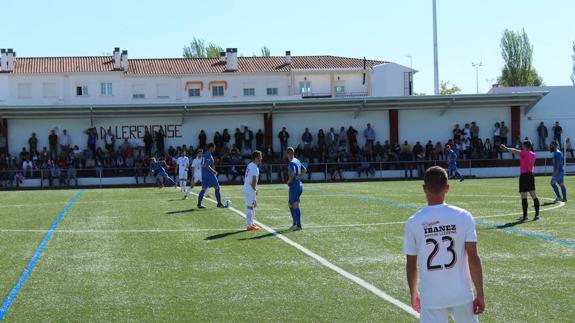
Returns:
<point x="209" y="180"/>
<point x="294" y="193"/>
<point x="559" y="177"/>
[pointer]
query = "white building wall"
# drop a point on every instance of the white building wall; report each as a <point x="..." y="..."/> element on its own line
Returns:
<point x="19" y="130"/>
<point x="296" y="123"/>
<point x="424" y="125"/>
<point x="389" y="80"/>
<point x="320" y="83"/>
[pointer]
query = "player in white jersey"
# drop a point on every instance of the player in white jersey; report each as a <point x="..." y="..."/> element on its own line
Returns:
<point x="197" y="170"/>
<point x="441" y="239"/>
<point x="183" y="163"/>
<point x="250" y="189"/>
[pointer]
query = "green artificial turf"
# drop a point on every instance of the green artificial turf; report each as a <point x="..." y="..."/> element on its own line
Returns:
<point x="142" y="255"/>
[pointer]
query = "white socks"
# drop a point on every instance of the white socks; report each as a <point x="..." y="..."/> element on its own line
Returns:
<point x="250" y="214"/>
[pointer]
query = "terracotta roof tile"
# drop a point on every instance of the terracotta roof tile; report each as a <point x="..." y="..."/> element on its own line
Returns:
<point x="162" y="66"/>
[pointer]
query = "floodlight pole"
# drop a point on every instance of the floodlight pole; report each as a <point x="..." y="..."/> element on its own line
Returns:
<point x="435" y="59"/>
<point x="477" y="66"/>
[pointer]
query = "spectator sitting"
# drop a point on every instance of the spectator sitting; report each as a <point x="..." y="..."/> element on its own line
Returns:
<point x="71" y="173"/>
<point x="28" y="165"/>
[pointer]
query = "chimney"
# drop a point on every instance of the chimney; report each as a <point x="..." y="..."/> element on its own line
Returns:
<point x="288" y="57"/>
<point x="3" y="60"/>
<point x="10" y="59"/>
<point x="116" y="57"/>
<point x="124" y="60"/>
<point x="231" y="59"/>
<point x="222" y="56"/>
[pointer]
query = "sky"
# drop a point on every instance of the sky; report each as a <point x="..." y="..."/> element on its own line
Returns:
<point x="399" y="31"/>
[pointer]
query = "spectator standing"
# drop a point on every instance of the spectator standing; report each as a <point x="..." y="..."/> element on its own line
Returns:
<point x="497" y="134"/>
<point x="92" y="139"/>
<point x="202" y="139"/>
<point x="33" y="143"/>
<point x="569" y="147"/>
<point x="65" y="142"/>
<point x="109" y="141"/>
<point x="218" y="141"/>
<point x="321" y="139"/>
<point x="542" y="135"/>
<point x="306" y="139"/>
<point x="466" y="131"/>
<point x="53" y="144"/>
<point x="342" y="138"/>
<point x="438" y="151"/>
<point x="283" y="136"/>
<point x="474" y="130"/>
<point x="352" y="136"/>
<point x="369" y="135"/>
<point x="160" y="147"/>
<point x="260" y="138"/>
<point x="331" y="138"/>
<point x="226" y="138"/>
<point x="248" y="138"/>
<point x="148" y="143"/>
<point x="503" y="132"/>
<point x="428" y="150"/>
<point x="457" y="132"/>
<point x="239" y="139"/>
<point x="557" y="131"/>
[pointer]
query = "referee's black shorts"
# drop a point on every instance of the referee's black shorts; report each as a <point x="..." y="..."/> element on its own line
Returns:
<point x="526" y="182"/>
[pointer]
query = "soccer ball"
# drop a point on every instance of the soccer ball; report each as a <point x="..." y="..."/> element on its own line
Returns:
<point x="227" y="203"/>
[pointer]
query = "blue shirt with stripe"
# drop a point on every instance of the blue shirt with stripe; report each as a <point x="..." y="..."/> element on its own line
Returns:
<point x="558" y="161"/>
<point x="295" y="166"/>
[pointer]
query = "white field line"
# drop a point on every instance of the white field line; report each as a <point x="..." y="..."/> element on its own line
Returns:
<point x="352" y="225"/>
<point x="333" y="267"/>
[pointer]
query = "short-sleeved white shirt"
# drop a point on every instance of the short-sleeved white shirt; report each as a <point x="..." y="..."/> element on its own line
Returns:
<point x="436" y="235"/>
<point x="251" y="171"/>
<point x="183" y="163"/>
<point x="197" y="165"/>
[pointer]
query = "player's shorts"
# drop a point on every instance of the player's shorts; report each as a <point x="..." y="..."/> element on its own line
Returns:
<point x="452" y="166"/>
<point x="526" y="182"/>
<point x="249" y="196"/>
<point x="210" y="181"/>
<point x="183" y="175"/>
<point x="461" y="313"/>
<point x="294" y="193"/>
<point x="197" y="178"/>
<point x="559" y="177"/>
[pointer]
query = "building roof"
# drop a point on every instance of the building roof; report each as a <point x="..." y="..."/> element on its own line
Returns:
<point x="163" y="66"/>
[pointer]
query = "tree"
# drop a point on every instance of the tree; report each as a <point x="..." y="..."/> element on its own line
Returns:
<point x="445" y="89"/>
<point x="198" y="48"/>
<point x="517" y="53"/>
<point x="573" y="57"/>
<point x="265" y="51"/>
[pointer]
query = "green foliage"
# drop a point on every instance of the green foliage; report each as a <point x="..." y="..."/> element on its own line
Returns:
<point x="265" y="51"/>
<point x="198" y="49"/>
<point x="446" y="89"/>
<point x="517" y="53"/>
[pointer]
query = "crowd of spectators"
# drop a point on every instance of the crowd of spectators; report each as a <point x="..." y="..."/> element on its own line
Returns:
<point x="60" y="161"/>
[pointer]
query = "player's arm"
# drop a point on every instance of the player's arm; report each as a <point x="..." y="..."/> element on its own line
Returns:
<point x="511" y="150"/>
<point x="292" y="174"/>
<point x="210" y="169"/>
<point x="254" y="183"/>
<point x="411" y="270"/>
<point x="303" y="171"/>
<point x="476" y="276"/>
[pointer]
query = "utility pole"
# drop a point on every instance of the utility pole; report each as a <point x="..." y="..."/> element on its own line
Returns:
<point x="435" y="59"/>
<point x="477" y="66"/>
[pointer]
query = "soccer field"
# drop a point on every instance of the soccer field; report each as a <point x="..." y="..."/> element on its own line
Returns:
<point x="146" y="255"/>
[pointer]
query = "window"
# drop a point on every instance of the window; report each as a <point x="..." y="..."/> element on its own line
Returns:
<point x="218" y="90"/>
<point x="272" y="91"/>
<point x="305" y="88"/>
<point x="24" y="90"/>
<point x="81" y="90"/>
<point x="49" y="90"/>
<point x="339" y="90"/>
<point x="138" y="91"/>
<point x="194" y="92"/>
<point x="250" y="92"/>
<point x="106" y="89"/>
<point x="163" y="91"/>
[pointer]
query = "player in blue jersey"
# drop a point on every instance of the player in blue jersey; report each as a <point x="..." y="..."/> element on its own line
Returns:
<point x="558" y="173"/>
<point x="209" y="176"/>
<point x="295" y="173"/>
<point x="160" y="173"/>
<point x="452" y="165"/>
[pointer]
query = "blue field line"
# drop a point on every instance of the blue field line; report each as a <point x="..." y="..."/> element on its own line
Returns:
<point x="14" y="292"/>
<point x="483" y="223"/>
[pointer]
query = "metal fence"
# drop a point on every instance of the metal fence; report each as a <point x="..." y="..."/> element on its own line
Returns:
<point x="269" y="173"/>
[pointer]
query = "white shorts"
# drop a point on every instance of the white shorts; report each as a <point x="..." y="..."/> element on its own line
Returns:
<point x="461" y="313"/>
<point x="197" y="178"/>
<point x="183" y="175"/>
<point x="249" y="196"/>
